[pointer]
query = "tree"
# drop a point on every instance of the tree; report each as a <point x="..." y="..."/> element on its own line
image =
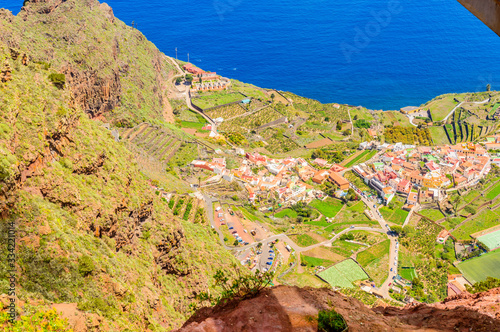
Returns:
<point x="189" y="78"/>
<point x="488" y="87"/>
<point x="272" y="96"/>
<point x="355" y="117"/>
<point x="339" y="125"/>
<point x="178" y="80"/>
<point x="346" y="132"/>
<point x="455" y="203"/>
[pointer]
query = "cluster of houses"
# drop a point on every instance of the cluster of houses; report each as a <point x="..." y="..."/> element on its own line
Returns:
<point x="422" y="173"/>
<point x="206" y="81"/>
<point x="286" y="178"/>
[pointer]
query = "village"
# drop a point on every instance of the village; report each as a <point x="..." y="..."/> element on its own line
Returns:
<point x="420" y="174"/>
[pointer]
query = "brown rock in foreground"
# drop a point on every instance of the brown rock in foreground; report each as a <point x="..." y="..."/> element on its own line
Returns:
<point x="286" y="308"/>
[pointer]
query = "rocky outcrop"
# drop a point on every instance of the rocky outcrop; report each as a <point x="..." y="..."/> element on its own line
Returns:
<point x="286" y="308"/>
<point x="170" y="255"/>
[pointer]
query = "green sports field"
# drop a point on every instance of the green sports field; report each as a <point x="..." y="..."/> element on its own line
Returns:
<point x="343" y="274"/>
<point x="478" y="269"/>
<point x="492" y="240"/>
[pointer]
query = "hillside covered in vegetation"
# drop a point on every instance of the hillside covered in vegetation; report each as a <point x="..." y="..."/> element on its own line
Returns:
<point x="90" y="230"/>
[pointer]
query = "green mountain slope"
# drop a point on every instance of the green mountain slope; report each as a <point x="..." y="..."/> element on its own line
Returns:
<point x="90" y="230"/>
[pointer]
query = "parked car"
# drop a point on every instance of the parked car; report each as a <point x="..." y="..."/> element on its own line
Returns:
<point x="390" y="284"/>
<point x="351" y="227"/>
<point x="374" y="206"/>
<point x="222" y="223"/>
<point x="246" y="243"/>
<point x="269" y="263"/>
<point x="391" y="269"/>
<point x="234" y="232"/>
<point x="395" y="263"/>
<point x="270" y="258"/>
<point x="245" y="231"/>
<point x="271" y="250"/>
<point x="231" y="227"/>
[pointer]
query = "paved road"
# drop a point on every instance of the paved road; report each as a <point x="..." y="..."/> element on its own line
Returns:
<point x="472" y="102"/>
<point x="393" y="256"/>
<point x="384" y="289"/>
<point x="188" y="95"/>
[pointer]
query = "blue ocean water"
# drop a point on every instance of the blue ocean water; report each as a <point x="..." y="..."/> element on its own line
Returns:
<point x="379" y="54"/>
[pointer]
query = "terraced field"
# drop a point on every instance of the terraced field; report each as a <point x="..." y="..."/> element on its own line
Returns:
<point x="227" y="112"/>
<point x="343" y="274"/>
<point x="153" y="141"/>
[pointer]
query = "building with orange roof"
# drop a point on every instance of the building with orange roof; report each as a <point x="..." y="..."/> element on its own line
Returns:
<point x="338" y="180"/>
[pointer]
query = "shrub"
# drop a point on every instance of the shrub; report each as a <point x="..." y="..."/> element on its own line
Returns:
<point x="242" y="286"/>
<point x="330" y="321"/>
<point x="58" y="80"/>
<point x="85" y="265"/>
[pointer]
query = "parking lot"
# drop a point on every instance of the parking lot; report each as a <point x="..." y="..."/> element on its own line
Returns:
<point x="233" y="223"/>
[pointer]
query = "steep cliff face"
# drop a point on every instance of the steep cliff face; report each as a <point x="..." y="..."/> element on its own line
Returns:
<point x="286" y="308"/>
<point x="90" y="231"/>
<point x="110" y="68"/>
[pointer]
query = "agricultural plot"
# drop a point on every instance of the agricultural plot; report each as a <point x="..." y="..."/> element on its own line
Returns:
<point x="289" y="213"/>
<point x="329" y="207"/>
<point x="303" y="240"/>
<point x="353" y="214"/>
<point x="252" y="121"/>
<point x="408" y="273"/>
<point x="319" y="144"/>
<point x="324" y="253"/>
<point x="248" y="90"/>
<point x="278" y="143"/>
<point x="491" y="240"/>
<point x="478" y="269"/>
<point x="395" y="214"/>
<point x="344" y="248"/>
<point x="343" y="274"/>
<point x="451" y="223"/>
<point x="208" y="100"/>
<point x="364" y="156"/>
<point x="494" y="192"/>
<point x="441" y="106"/>
<point x="432" y="214"/>
<point x="438" y="135"/>
<point x="394" y="118"/>
<point x="226" y="112"/>
<point x="314" y="261"/>
<point x="374" y="252"/>
<point x="483" y="220"/>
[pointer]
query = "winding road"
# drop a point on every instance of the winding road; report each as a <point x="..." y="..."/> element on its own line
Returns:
<point x="393" y="261"/>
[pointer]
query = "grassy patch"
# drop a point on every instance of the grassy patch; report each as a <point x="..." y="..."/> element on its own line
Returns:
<point x="303" y="240"/>
<point x="484" y="220"/>
<point x="438" y="135"/>
<point x="314" y="261"/>
<point x="375" y="252"/>
<point x="286" y="213"/>
<point x="432" y="214"/>
<point x="441" y="106"/>
<point x="343" y="274"/>
<point x="494" y="192"/>
<point x="478" y="269"/>
<point x="217" y="98"/>
<point x="329" y="207"/>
